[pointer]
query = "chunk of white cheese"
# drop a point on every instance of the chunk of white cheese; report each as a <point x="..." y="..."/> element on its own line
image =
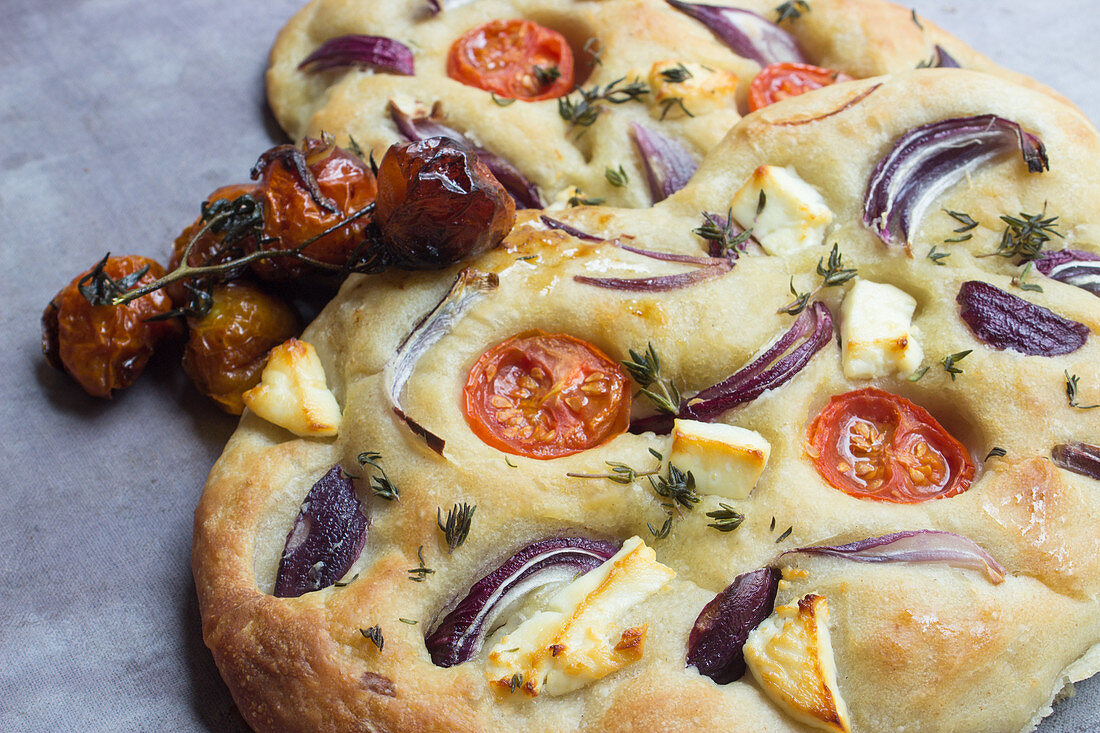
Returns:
<point x="575" y="641"/>
<point x="724" y="459"/>
<point x="682" y="87"/>
<point x="794" y="215"/>
<point x="791" y="656"/>
<point x="293" y="394"/>
<point x="877" y="337"/>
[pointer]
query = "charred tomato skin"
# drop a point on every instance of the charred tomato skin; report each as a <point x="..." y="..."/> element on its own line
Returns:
<point x="500" y="57"/>
<point x="106" y="347"/>
<point x="543" y="396"/>
<point x="227" y="348"/>
<point x="872" y="444"/>
<point x="438" y="204"/>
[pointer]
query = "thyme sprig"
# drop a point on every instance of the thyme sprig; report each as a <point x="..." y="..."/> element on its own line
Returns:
<point x="966" y="223"/>
<point x="832" y="274"/>
<point x="726" y="518"/>
<point x="617" y="178"/>
<point x="1020" y="279"/>
<point x="938" y="257"/>
<point x="380" y="485"/>
<point x="679" y="486"/>
<point x="645" y="369"/>
<point x="721" y="232"/>
<point x="666" y="527"/>
<point x="420" y="573"/>
<point x="676" y="74"/>
<point x="791" y="10"/>
<point x="667" y="104"/>
<point x="457" y="526"/>
<point x="581" y="107"/>
<point x="374" y="633"/>
<point x="1071" y="392"/>
<point x="546" y="75"/>
<point x="1024" y="236"/>
<point x="951" y="361"/>
<point x="579" y="199"/>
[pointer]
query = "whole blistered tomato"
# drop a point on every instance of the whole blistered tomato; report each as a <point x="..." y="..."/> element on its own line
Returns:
<point x="517" y="59"/>
<point x="305" y="192"/>
<point x="105" y="347"/>
<point x="227" y="348"/>
<point x="545" y="395"/>
<point x="779" y="81"/>
<point x="210" y="248"/>
<point x="873" y="444"/>
<point x="438" y="204"/>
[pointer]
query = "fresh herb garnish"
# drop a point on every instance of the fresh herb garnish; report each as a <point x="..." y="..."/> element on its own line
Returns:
<point x="616" y="178"/>
<point x="667" y="104"/>
<point x="676" y="74"/>
<point x="832" y="274"/>
<point x="938" y="257"/>
<point x="1020" y="280"/>
<point x="502" y="101"/>
<point x="791" y="10"/>
<point x="726" y="518"/>
<point x="381" y="485"/>
<point x="516" y="682"/>
<point x="678" y="486"/>
<point x="409" y="621"/>
<point x="355" y="149"/>
<point x="374" y="633"/>
<point x="660" y="534"/>
<point x="593" y="47"/>
<point x="966" y="222"/>
<point x="581" y="107"/>
<point x="1025" y="235"/>
<point x="771" y="528"/>
<point x="457" y="526"/>
<point x="418" y="574"/>
<point x="343" y="583"/>
<point x="785" y="535"/>
<point x="996" y="452"/>
<point x="949" y="362"/>
<point x="720" y="231"/>
<point x="546" y="75"/>
<point x="509" y="462"/>
<point x="918" y="375"/>
<point x="1071" y="392"/>
<point x="622" y="473"/>
<point x="645" y="369"/>
<point x="913" y="14"/>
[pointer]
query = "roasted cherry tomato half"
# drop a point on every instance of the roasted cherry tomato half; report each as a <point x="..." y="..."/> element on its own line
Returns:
<point x="306" y="191"/>
<point x="105" y="347"/>
<point x="516" y="59"/>
<point x="779" y="81"/>
<point x="544" y="395"/>
<point x="875" y="445"/>
<point x="227" y="348"/>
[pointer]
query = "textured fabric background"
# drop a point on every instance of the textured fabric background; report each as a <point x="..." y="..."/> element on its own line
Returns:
<point x="117" y="117"/>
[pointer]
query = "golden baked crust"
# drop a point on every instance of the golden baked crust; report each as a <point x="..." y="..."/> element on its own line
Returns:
<point x="862" y="38"/>
<point x="917" y="647"/>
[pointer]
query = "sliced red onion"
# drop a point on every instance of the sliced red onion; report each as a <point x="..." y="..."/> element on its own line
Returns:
<point x="775" y="367"/>
<point x="668" y="256"/>
<point x="920" y="545"/>
<point x="468" y="288"/>
<point x="941" y="59"/>
<point x="384" y="54"/>
<point x="717" y="640"/>
<point x="515" y="183"/>
<point x="459" y="636"/>
<point x="570" y="230"/>
<point x="327" y="536"/>
<point x="668" y="164"/>
<point x="660" y="283"/>
<point x="746" y="33"/>
<point x="434" y="7"/>
<point x="1082" y="458"/>
<point x="1006" y="321"/>
<point x="929" y="159"/>
<point x="1072" y="266"/>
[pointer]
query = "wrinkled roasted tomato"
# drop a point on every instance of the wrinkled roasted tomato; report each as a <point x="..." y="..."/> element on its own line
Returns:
<point x="227" y="348"/>
<point x="438" y="204"/>
<point x="517" y="59"/>
<point x="209" y="248"/>
<point x="779" y="81"/>
<point x="875" y="445"/>
<point x="545" y="395"/>
<point x="105" y="347"/>
<point x="304" y="192"/>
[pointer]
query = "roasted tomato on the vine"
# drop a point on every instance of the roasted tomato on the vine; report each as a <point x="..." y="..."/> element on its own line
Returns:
<point x="517" y="59"/>
<point x="227" y="348"/>
<point x="873" y="444"/>
<point x="105" y="347"/>
<point x="779" y="81"/>
<point x="545" y="395"/>
<point x="306" y="191"/>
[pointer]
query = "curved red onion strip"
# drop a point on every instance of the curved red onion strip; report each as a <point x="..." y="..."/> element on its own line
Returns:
<point x="1082" y="458"/>
<point x="660" y="283"/>
<point x="668" y="256"/>
<point x="1006" y="321"/>
<point x="570" y="230"/>
<point x="746" y="33"/>
<point x="469" y="287"/>
<point x="668" y="164"/>
<point x="327" y="536"/>
<point x="717" y="640"/>
<point x="941" y="59"/>
<point x="920" y="545"/>
<point x="460" y="635"/>
<point x="384" y="54"/>
<point x="929" y="159"/>
<point x="1073" y="267"/>
<point x="525" y="193"/>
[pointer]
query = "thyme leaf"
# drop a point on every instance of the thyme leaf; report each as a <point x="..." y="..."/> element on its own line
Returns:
<point x="667" y="104"/>
<point x="516" y="682"/>
<point x="645" y="369"/>
<point x="419" y="574"/>
<point x="381" y="486"/>
<point x="1071" y="392"/>
<point x="951" y="360"/>
<point x="785" y="535"/>
<point x="457" y="526"/>
<point x="918" y="375"/>
<point x="374" y="633"/>
<point x="676" y="74"/>
<point x="832" y="274"/>
<point x="546" y="75"/>
<point x="578" y="199"/>
<point x="617" y="178"/>
<point x="996" y="452"/>
<point x="660" y="534"/>
<point x="409" y="621"/>
<point x="1020" y="280"/>
<point x="938" y="257"/>
<point x="791" y="10"/>
<point x="502" y="101"/>
<point x="594" y="48"/>
<point x="726" y="518"/>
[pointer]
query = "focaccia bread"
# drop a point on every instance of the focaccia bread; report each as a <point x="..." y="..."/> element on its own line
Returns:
<point x="644" y="42"/>
<point x="982" y="642"/>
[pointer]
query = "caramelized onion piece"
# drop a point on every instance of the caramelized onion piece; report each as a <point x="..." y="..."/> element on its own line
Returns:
<point x="379" y="52"/>
<point x="717" y="640"/>
<point x="927" y="160"/>
<point x="921" y="545"/>
<point x="460" y="635"/>
<point x="1006" y="321"/>
<point x="1072" y="266"/>
<point x="746" y="33"/>
<point x="1082" y="458"/>
<point x="328" y="535"/>
<point x="668" y="164"/>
